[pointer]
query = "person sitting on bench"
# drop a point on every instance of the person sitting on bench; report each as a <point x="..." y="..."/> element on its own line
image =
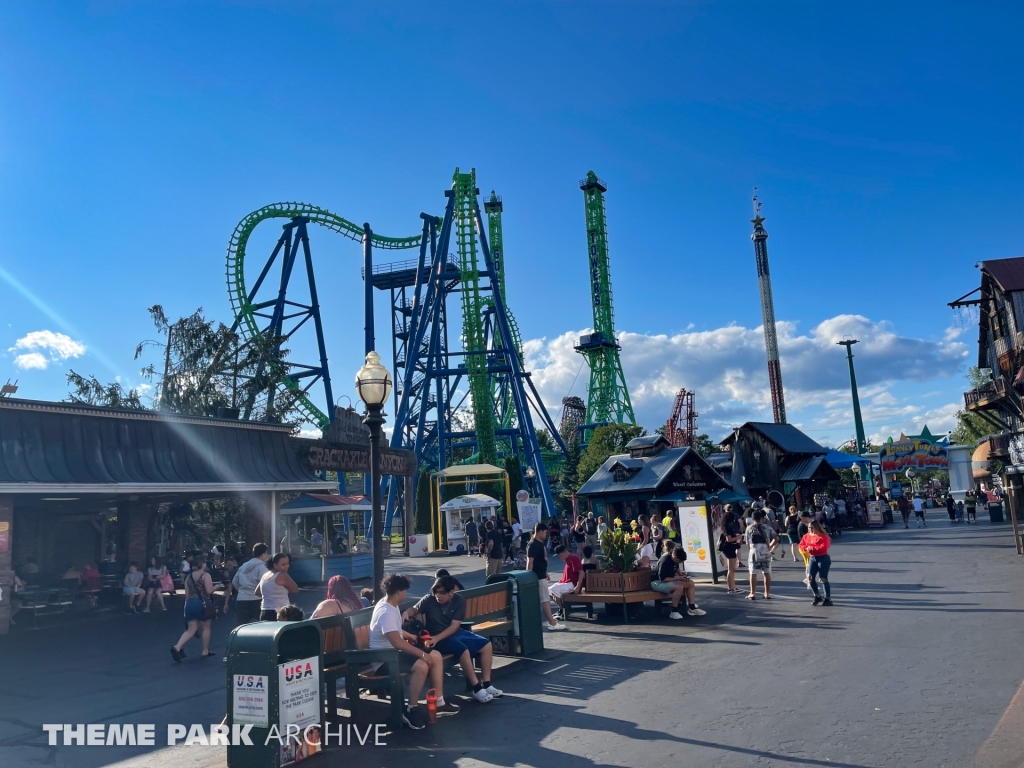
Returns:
<point x="570" y="581"/>
<point x="443" y="611"/>
<point x="672" y="581"/>
<point x="386" y="633"/>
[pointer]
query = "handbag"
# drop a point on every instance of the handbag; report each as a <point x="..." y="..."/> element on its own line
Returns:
<point x="167" y="583"/>
<point x="209" y="609"/>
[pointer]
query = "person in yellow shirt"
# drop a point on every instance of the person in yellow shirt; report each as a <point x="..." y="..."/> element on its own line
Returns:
<point x="667" y="524"/>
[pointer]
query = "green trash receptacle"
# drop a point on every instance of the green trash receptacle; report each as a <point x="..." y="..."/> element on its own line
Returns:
<point x="995" y="512"/>
<point x="526" y="615"/>
<point x="275" y="678"/>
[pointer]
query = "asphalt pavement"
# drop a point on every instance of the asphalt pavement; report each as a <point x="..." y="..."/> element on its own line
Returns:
<point x="916" y="664"/>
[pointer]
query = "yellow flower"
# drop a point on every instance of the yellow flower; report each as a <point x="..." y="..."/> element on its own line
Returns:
<point x="633" y="525"/>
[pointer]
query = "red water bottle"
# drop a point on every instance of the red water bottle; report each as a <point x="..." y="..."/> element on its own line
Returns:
<point x="432" y="706"/>
<point x="424" y="638"/>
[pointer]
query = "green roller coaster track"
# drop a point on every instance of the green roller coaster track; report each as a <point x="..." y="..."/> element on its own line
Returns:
<point x="244" y="312"/>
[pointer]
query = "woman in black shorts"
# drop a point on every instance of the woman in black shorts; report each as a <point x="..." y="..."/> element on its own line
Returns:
<point x="731" y="546"/>
<point x="792" y="523"/>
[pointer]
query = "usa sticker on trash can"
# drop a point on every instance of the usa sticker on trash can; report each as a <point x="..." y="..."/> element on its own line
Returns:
<point x="251" y="705"/>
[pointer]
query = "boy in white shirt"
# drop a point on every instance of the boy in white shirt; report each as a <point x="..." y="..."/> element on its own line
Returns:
<point x="386" y="632"/>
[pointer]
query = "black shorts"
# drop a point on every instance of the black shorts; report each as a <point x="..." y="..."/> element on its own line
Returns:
<point x="247" y="611"/>
<point x="730" y="551"/>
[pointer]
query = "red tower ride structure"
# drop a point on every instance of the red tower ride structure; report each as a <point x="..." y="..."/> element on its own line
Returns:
<point x="681" y="427"/>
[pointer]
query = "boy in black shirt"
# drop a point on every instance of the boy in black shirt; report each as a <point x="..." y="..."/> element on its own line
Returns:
<point x="672" y="580"/>
<point x="537" y="561"/>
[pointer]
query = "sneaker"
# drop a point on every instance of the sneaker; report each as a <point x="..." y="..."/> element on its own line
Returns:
<point x="412" y="720"/>
<point x="816" y="601"/>
<point x="695" y="612"/>
<point x="483" y="695"/>
<point x="145" y="610"/>
<point x="675" y="615"/>
<point x="496" y="693"/>
<point x="448" y="708"/>
<point x="827" y="601"/>
<point x="555" y="627"/>
<point x="176" y="654"/>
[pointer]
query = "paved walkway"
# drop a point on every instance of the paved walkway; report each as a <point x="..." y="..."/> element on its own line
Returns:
<point x="917" y="664"/>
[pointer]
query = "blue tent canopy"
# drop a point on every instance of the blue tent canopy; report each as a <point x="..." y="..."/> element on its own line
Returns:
<point x="840" y="460"/>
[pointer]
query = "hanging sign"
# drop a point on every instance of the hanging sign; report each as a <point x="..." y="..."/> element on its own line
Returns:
<point x="529" y="514"/>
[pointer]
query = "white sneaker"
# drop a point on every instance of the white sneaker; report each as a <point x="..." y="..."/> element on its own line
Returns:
<point x="675" y="615"/>
<point x="496" y="693"/>
<point x="483" y="696"/>
<point x="695" y="612"/>
<point x="555" y="627"/>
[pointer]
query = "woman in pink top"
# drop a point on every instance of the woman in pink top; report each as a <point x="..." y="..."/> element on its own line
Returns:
<point x="341" y="598"/>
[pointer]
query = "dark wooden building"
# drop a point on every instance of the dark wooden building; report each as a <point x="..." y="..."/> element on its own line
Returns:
<point x="652" y="473"/>
<point x="760" y="457"/>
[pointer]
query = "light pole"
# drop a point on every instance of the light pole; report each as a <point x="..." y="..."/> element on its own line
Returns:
<point x="857" y="420"/>
<point x="373" y="383"/>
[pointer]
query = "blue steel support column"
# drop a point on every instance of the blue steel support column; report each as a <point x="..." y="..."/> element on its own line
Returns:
<point x="368" y="288"/>
<point x="532" y="448"/>
<point x="314" y="307"/>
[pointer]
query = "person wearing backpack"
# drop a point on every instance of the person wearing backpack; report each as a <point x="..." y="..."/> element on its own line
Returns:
<point x="761" y="542"/>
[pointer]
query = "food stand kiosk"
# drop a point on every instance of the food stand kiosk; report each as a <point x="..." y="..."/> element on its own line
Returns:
<point x="460" y="510"/>
<point x="325" y="535"/>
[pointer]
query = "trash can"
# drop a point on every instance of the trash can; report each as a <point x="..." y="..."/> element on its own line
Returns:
<point x="526" y="615"/>
<point x="995" y="512"/>
<point x="275" y="678"/>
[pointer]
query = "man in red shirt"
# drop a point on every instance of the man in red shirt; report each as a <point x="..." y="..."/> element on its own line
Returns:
<point x="571" y="581"/>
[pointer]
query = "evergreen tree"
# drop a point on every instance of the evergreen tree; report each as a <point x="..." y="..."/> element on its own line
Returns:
<point x="424" y="504"/>
<point x="606" y="441"/>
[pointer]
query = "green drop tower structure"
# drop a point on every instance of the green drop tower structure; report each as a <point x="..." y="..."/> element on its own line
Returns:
<point x="607" y="396"/>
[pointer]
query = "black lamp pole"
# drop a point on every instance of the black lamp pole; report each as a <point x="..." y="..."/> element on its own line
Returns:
<point x="374" y="420"/>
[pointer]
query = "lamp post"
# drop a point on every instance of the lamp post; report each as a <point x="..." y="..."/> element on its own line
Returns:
<point x="373" y="383"/>
<point x="530" y="474"/>
<point x="857" y="420"/>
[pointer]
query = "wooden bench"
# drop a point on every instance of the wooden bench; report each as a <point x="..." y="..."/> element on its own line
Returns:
<point x="607" y="588"/>
<point x="489" y="613"/>
<point x="360" y="676"/>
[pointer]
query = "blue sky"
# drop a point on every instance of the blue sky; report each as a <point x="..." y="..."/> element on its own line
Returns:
<point x="886" y="140"/>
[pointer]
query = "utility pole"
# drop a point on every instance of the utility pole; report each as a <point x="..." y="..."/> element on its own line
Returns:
<point x="857" y="420"/>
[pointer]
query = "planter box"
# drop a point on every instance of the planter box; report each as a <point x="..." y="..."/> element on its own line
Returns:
<point x="634" y="581"/>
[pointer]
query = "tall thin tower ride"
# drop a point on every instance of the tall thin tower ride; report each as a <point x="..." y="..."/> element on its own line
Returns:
<point x="771" y="340"/>
<point x="607" y="396"/>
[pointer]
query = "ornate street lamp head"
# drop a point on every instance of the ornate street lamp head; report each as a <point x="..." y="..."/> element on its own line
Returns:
<point x="373" y="382"/>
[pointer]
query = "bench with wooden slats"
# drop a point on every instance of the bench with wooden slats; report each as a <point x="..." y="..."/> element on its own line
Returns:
<point x="489" y="612"/>
<point x="607" y="588"/>
<point x="332" y="638"/>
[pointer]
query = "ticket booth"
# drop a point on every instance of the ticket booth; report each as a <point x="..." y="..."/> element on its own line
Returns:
<point x="326" y="535"/>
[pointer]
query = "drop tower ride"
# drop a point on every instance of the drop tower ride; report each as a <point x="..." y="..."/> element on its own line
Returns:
<point x="771" y="340"/>
<point x="607" y="396"/>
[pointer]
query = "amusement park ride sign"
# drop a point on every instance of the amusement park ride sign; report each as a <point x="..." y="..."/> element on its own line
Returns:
<point x="917" y="453"/>
<point x="353" y="458"/>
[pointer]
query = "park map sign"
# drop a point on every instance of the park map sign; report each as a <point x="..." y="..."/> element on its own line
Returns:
<point x="921" y="452"/>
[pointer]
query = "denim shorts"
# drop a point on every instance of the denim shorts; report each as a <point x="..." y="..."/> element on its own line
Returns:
<point x="194" y="609"/>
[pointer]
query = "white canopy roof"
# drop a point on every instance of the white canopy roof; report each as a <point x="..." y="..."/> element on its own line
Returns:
<point x="471" y="501"/>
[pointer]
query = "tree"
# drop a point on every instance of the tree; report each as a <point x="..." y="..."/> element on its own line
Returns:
<point x="88" y="390"/>
<point x="207" y="366"/>
<point x="424" y="504"/>
<point x="515" y="481"/>
<point x="606" y="441"/>
<point x="703" y="445"/>
<point x="546" y="441"/>
<point x="568" y="481"/>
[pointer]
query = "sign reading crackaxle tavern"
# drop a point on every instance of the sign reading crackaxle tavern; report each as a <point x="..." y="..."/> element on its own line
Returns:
<point x="353" y="458"/>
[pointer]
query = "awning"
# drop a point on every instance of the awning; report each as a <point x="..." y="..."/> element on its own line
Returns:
<point x="840" y="460"/>
<point x="728" y="496"/>
<point x="470" y="470"/>
<point x="318" y="503"/>
<point x="812" y="468"/>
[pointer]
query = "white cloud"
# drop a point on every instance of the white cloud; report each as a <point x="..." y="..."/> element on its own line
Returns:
<point x="726" y="367"/>
<point x="40" y="348"/>
<point x="30" y="361"/>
